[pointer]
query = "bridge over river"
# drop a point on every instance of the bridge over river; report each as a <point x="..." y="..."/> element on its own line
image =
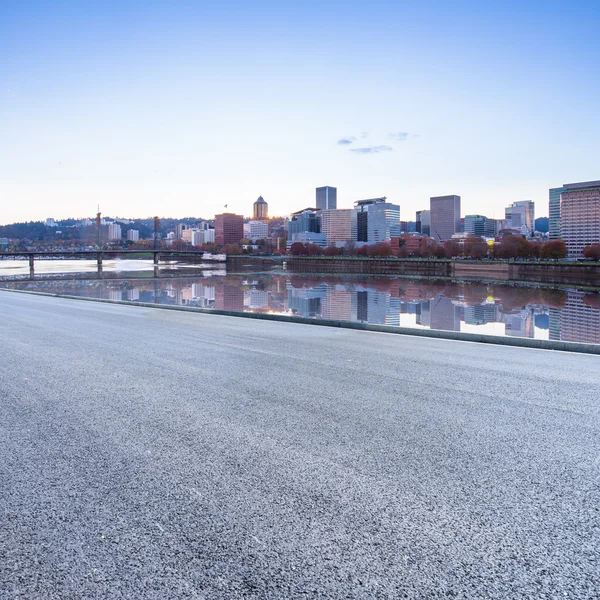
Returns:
<point x="101" y="254"/>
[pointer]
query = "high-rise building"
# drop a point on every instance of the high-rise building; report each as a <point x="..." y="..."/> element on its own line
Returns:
<point x="305" y="226"/>
<point x="256" y="230"/>
<point x="326" y="198"/>
<point x="444" y="217"/>
<point x="580" y="215"/>
<point x="423" y="222"/>
<point x="113" y="231"/>
<point x="229" y="228"/>
<point x="376" y="220"/>
<point x="338" y="225"/>
<point x="261" y="210"/>
<point x="480" y="225"/>
<point x="179" y="229"/>
<point x="521" y="215"/>
<point x="133" y="235"/>
<point x="554" y="212"/>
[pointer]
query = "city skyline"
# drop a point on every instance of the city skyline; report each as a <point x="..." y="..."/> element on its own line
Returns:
<point x="181" y="110"/>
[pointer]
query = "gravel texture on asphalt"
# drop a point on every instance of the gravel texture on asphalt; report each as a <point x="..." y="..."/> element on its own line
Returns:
<point x="156" y="454"/>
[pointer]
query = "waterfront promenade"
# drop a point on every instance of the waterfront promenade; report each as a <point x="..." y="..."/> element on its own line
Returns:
<point x="147" y="453"/>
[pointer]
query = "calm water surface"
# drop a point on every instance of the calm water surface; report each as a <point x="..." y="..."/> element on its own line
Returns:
<point x="568" y="315"/>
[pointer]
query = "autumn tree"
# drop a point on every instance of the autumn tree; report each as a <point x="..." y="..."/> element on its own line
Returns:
<point x="381" y="249"/>
<point x="232" y="249"/>
<point x="514" y="246"/>
<point x="475" y="247"/>
<point x="313" y="249"/>
<point x="554" y="249"/>
<point x="592" y="252"/>
<point x="333" y="251"/>
<point x="298" y="249"/>
<point x="452" y="248"/>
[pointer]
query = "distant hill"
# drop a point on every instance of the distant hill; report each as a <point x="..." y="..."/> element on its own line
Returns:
<point x="542" y="224"/>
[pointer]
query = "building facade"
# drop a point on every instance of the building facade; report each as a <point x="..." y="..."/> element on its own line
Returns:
<point x="521" y="215"/>
<point x="376" y="220"/>
<point x="480" y="225"/>
<point x="554" y="213"/>
<point x="260" y="210"/>
<point x="133" y="235"/>
<point x="423" y="222"/>
<point x="338" y="226"/>
<point x="256" y="230"/>
<point x="326" y="198"/>
<point x="580" y="216"/>
<point x="113" y="232"/>
<point x="444" y="217"/>
<point x="304" y="226"/>
<point x="229" y="228"/>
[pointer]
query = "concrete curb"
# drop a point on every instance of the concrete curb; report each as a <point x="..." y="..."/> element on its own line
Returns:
<point x="428" y="333"/>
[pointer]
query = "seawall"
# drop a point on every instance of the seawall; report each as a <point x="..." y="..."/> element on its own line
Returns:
<point x="576" y="273"/>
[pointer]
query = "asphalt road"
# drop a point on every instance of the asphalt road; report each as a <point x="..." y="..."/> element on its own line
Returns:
<point x="146" y="453"/>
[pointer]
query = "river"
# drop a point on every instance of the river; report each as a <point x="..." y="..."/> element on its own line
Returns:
<point x="496" y="309"/>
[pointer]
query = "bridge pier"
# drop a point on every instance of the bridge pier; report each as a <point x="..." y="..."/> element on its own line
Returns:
<point x="156" y="257"/>
<point x="31" y="259"/>
<point x="99" y="259"/>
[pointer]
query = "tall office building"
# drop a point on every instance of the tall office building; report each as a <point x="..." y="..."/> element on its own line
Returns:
<point x="376" y="220"/>
<point x="480" y="225"/>
<point x="229" y="228"/>
<point x="521" y="215"/>
<point x="554" y="212"/>
<point x="260" y="210"/>
<point x="338" y="225"/>
<point x="326" y="198"/>
<point x="304" y="226"/>
<point x="423" y="222"/>
<point x="256" y="230"/>
<point x="444" y="217"/>
<point x="580" y="215"/>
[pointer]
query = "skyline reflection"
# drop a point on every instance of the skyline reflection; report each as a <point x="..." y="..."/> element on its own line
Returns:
<point x="520" y="311"/>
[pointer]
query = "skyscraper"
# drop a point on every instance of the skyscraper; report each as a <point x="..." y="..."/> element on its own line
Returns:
<point x="520" y="215"/>
<point x="261" y="210"/>
<point x="326" y="198"/>
<point x="580" y="215"/>
<point x="423" y="222"/>
<point x="480" y="225"/>
<point x="376" y="220"/>
<point x="444" y="217"/>
<point x="338" y="225"/>
<point x="229" y="228"/>
<point x="305" y="226"/>
<point x="554" y="212"/>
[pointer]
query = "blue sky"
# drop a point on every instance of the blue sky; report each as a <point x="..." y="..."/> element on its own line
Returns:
<point x="178" y="108"/>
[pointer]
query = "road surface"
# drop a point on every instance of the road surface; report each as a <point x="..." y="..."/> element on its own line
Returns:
<point x="147" y="453"/>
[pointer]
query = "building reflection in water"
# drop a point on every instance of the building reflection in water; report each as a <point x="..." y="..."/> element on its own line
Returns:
<point x="498" y="309"/>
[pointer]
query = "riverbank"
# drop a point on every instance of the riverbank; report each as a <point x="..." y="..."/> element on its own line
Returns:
<point x="566" y="273"/>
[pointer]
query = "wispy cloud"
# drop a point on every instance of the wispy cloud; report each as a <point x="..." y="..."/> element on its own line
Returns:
<point x="399" y="136"/>
<point x="372" y="149"/>
<point x="346" y="140"/>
